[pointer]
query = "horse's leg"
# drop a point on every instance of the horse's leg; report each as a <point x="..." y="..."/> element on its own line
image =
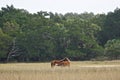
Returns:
<point x="52" y="64"/>
<point x="69" y="65"/>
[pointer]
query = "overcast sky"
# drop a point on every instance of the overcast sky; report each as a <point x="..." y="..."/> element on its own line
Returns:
<point x="64" y="6"/>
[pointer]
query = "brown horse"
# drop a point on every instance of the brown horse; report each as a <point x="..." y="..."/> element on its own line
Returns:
<point x="63" y="62"/>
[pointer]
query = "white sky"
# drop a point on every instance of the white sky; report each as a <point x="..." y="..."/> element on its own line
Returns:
<point x="64" y="6"/>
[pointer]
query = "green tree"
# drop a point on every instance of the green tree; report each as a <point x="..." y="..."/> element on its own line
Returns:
<point x="5" y="42"/>
<point x="110" y="28"/>
<point x="82" y="39"/>
<point x="11" y="28"/>
<point x="112" y="49"/>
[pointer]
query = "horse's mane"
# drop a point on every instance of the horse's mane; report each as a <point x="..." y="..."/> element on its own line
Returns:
<point x="65" y="59"/>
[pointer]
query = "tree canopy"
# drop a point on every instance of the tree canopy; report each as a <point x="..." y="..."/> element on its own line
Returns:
<point x="44" y="36"/>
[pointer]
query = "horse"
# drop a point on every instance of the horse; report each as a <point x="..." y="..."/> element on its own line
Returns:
<point x="63" y="62"/>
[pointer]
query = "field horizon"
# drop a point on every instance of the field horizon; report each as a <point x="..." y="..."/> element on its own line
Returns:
<point x="79" y="70"/>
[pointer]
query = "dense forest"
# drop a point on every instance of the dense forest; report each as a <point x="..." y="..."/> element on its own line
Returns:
<point x="43" y="36"/>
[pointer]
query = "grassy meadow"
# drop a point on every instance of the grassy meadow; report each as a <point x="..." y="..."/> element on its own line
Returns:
<point x="79" y="70"/>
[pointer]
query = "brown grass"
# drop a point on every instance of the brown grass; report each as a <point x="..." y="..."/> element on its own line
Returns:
<point x="86" y="70"/>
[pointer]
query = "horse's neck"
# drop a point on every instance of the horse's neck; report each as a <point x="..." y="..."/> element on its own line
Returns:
<point x="65" y="59"/>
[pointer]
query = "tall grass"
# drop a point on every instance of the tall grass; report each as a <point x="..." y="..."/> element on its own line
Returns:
<point x="109" y="70"/>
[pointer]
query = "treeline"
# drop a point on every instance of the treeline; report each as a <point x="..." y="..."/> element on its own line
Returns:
<point x="44" y="36"/>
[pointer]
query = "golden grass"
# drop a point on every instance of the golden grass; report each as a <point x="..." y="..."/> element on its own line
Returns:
<point x="82" y="70"/>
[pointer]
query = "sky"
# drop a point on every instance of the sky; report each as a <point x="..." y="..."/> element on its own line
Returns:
<point x="64" y="6"/>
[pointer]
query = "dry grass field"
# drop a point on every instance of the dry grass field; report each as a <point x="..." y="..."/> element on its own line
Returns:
<point x="82" y="70"/>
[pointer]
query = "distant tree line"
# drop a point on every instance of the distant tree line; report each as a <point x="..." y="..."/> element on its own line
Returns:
<point x="44" y="36"/>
